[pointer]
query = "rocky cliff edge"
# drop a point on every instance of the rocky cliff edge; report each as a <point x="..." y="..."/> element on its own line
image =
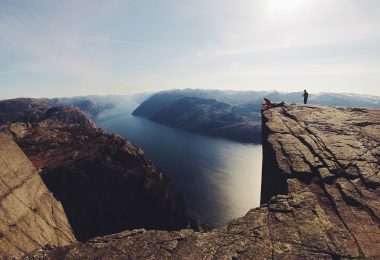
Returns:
<point x="104" y="182"/>
<point x="324" y="161"/>
<point x="30" y="217"/>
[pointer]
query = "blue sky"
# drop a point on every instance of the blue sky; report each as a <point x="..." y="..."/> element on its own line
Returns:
<point x="70" y="48"/>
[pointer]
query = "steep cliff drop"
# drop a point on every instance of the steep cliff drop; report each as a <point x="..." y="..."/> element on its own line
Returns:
<point x="30" y="217"/>
<point x="104" y="182"/>
<point x="326" y="160"/>
<point x="323" y="161"/>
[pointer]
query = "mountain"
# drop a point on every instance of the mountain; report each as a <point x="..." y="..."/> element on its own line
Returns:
<point x="208" y="116"/>
<point x="88" y="105"/>
<point x="94" y="105"/>
<point x="320" y="198"/>
<point x="104" y="182"/>
<point x="233" y="115"/>
<point x="205" y="116"/>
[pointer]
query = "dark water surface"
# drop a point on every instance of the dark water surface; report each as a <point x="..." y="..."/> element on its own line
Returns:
<point x="219" y="179"/>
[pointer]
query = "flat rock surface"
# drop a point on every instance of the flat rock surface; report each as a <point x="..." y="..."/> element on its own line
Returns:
<point x="30" y="217"/>
<point x="326" y="162"/>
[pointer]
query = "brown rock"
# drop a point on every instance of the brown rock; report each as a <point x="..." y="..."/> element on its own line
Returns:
<point x="30" y="217"/>
<point x="105" y="183"/>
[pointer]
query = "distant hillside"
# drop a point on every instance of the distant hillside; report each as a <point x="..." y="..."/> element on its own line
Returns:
<point x="91" y="105"/>
<point x="209" y="116"/>
<point x="233" y="115"/>
<point x="94" y="105"/>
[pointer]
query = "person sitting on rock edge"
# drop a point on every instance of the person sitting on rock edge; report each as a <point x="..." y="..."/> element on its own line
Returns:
<point x="268" y="103"/>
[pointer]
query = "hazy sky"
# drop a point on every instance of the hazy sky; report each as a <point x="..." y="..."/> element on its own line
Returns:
<point x="65" y="48"/>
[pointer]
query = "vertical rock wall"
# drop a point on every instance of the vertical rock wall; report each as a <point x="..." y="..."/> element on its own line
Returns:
<point x="328" y="157"/>
<point x="30" y="217"/>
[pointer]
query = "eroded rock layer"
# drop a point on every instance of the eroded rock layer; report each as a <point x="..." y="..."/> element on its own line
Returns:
<point x="30" y="217"/>
<point x="324" y="160"/>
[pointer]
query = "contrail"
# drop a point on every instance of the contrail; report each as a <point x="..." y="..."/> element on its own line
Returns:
<point x="114" y="40"/>
<point x="7" y="72"/>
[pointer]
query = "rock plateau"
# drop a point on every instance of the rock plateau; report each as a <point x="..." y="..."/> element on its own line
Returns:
<point x="320" y="195"/>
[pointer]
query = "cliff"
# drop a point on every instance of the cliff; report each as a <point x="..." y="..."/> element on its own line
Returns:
<point x="104" y="182"/>
<point x="324" y="161"/>
<point x="30" y="217"/>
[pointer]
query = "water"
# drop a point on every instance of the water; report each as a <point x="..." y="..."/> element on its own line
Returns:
<point x="219" y="179"/>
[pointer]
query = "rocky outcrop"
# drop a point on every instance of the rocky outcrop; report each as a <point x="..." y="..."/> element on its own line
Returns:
<point x="30" y="217"/>
<point x="329" y="157"/>
<point x="324" y="160"/>
<point x="104" y="182"/>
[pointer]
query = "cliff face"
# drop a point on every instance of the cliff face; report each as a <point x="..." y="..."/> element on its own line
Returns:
<point x="324" y="160"/>
<point x="104" y="182"/>
<point x="328" y="157"/>
<point x="30" y="217"/>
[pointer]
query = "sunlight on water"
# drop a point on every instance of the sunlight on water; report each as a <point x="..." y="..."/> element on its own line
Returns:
<point x="219" y="179"/>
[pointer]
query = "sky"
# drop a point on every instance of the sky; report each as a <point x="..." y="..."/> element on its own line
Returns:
<point x="90" y="47"/>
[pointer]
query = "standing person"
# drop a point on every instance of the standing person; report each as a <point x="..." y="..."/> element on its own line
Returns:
<point x="305" y="96"/>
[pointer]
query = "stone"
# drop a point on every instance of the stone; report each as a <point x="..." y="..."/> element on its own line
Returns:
<point x="30" y="217"/>
<point x="105" y="183"/>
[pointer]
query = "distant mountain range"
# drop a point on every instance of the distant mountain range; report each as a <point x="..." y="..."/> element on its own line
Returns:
<point x="233" y="115"/>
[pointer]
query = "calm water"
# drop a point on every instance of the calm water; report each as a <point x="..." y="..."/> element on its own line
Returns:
<point x="219" y="179"/>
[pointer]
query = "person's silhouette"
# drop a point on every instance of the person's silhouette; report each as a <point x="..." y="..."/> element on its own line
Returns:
<point x="305" y="96"/>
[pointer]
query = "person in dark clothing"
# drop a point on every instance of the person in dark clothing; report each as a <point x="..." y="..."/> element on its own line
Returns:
<point x="305" y="96"/>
